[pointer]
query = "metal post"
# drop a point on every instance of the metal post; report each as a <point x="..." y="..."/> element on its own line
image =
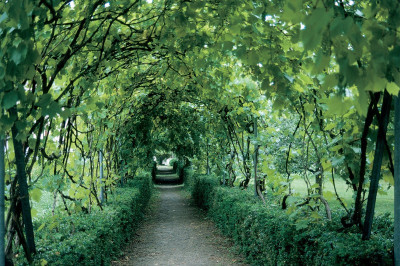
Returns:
<point x="2" y="195"/>
<point x="397" y="182"/>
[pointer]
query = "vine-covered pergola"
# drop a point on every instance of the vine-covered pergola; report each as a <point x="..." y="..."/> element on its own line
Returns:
<point x="257" y="92"/>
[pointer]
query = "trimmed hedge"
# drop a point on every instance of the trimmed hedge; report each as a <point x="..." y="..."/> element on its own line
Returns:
<point x="154" y="171"/>
<point x="95" y="238"/>
<point x="180" y="171"/>
<point x="179" y="167"/>
<point x="266" y="235"/>
<point x="174" y="163"/>
<point x="188" y="179"/>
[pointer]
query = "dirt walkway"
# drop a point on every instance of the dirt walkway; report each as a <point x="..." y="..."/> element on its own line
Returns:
<point x="177" y="233"/>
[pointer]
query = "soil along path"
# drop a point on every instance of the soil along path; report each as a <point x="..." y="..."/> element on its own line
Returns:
<point x="175" y="232"/>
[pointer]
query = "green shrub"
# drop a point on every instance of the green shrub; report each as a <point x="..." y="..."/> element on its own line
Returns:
<point x="180" y="171"/>
<point x="154" y="171"/>
<point x="266" y="235"/>
<point x="174" y="163"/>
<point x="179" y="167"/>
<point x="95" y="238"/>
<point x="202" y="188"/>
<point x="188" y="178"/>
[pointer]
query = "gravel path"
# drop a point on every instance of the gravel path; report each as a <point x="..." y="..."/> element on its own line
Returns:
<point x="177" y="233"/>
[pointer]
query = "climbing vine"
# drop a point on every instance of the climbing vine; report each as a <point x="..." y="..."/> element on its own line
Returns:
<point x="258" y="92"/>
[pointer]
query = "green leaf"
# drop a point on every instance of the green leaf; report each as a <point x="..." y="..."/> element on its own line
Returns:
<point x="315" y="185"/>
<point x="337" y="161"/>
<point x="36" y="194"/>
<point x="32" y="142"/>
<point x="41" y="227"/>
<point x="330" y="126"/>
<point x="9" y="99"/>
<point x="34" y="212"/>
<point x="3" y="17"/>
<point x="338" y="106"/>
<point x="362" y="103"/>
<point x="292" y="11"/>
<point x="309" y="108"/>
<point x="6" y="122"/>
<point x="18" y="54"/>
<point x="321" y="62"/>
<point x="228" y="45"/>
<point x="388" y="178"/>
<point x="328" y="195"/>
<point x="356" y="150"/>
<point x="102" y="115"/>
<point x="44" y="100"/>
<point x="298" y="87"/>
<point x="392" y="88"/>
<point x="316" y="24"/>
<point x="382" y="192"/>
<point x="301" y="224"/>
<point x="265" y="84"/>
<point x="330" y="81"/>
<point x="340" y="26"/>
<point x="326" y="165"/>
<point x="374" y="82"/>
<point x="253" y="57"/>
<point x="65" y="114"/>
<point x="100" y="105"/>
<point x="316" y="215"/>
<point x="52" y="109"/>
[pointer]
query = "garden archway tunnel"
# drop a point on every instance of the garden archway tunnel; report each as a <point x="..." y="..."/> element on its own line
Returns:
<point x="262" y="94"/>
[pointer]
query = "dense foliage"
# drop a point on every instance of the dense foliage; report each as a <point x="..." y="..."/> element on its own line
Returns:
<point x="263" y="93"/>
<point x="268" y="236"/>
<point x="96" y="238"/>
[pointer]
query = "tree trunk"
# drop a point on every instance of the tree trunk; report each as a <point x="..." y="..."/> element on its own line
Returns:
<point x="356" y="219"/>
<point x="397" y="182"/>
<point x="257" y="188"/>
<point x="23" y="187"/>
<point x="255" y="158"/>
<point x="376" y="169"/>
<point x="208" y="159"/>
<point x="101" y="177"/>
<point x="319" y="181"/>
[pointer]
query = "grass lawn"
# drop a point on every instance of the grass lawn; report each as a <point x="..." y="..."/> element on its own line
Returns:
<point x="384" y="201"/>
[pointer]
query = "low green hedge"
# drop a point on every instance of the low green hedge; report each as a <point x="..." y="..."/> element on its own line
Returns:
<point x="154" y="171"/>
<point x="180" y="171"/>
<point x="179" y="167"/>
<point x="174" y="163"/>
<point x="188" y="179"/>
<point x="98" y="237"/>
<point x="266" y="235"/>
